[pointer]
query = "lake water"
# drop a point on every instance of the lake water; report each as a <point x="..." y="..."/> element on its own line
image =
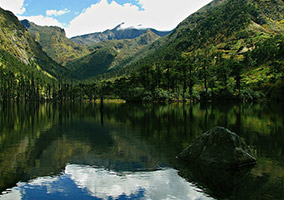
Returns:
<point x="128" y="151"/>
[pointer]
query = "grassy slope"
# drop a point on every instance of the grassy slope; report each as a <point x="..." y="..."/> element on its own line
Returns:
<point x="55" y="43"/>
<point x="20" y="47"/>
<point x="115" y="34"/>
<point x="108" y="55"/>
<point x="157" y="50"/>
<point x="231" y="28"/>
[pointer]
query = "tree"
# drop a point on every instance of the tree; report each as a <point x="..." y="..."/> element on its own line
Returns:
<point x="237" y="68"/>
<point x="190" y="63"/>
<point x="203" y="65"/>
<point x="223" y="69"/>
<point x="183" y="76"/>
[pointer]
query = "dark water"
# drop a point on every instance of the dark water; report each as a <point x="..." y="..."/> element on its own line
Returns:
<point x="128" y="151"/>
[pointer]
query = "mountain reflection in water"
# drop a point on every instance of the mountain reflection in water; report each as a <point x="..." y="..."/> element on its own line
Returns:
<point x="128" y="151"/>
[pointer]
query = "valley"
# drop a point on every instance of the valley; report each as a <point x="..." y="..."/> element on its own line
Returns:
<point x="226" y="51"/>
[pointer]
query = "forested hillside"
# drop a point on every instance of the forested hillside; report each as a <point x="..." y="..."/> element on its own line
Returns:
<point x="18" y="42"/>
<point x="109" y="55"/>
<point x="25" y="70"/>
<point x="55" y="43"/>
<point x="228" y="50"/>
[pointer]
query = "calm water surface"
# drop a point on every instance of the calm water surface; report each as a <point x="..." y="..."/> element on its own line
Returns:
<point x="128" y="151"/>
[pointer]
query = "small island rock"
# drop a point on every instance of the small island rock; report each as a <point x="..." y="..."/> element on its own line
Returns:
<point x="219" y="147"/>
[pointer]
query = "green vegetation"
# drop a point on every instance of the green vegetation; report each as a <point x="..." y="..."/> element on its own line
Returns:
<point x="26" y="72"/>
<point x="17" y="41"/>
<point x="109" y="55"/>
<point x="55" y="43"/>
<point x="117" y="33"/>
<point x="19" y="81"/>
<point x="229" y="50"/>
<point x="98" y="62"/>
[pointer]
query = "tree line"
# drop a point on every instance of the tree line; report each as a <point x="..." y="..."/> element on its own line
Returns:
<point x="207" y="75"/>
<point x="199" y="75"/>
<point x="20" y="88"/>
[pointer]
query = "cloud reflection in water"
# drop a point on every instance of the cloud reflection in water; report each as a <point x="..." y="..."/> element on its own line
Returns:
<point x="85" y="182"/>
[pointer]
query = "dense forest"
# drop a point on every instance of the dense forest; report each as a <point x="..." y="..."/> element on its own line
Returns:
<point x="209" y="76"/>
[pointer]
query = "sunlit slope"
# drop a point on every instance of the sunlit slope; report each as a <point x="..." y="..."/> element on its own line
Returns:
<point x="55" y="43"/>
<point x="117" y="33"/>
<point x="246" y="32"/>
<point x="20" y="51"/>
<point x="109" y="55"/>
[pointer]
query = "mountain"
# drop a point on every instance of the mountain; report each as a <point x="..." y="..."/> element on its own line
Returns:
<point x="227" y="49"/>
<point x="157" y="50"/>
<point x="109" y="54"/>
<point x="20" y="54"/>
<point x="229" y="27"/>
<point x="226" y="25"/>
<point x="118" y="33"/>
<point x="55" y="43"/>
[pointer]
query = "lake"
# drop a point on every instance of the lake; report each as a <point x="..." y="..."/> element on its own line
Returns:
<point x="128" y="151"/>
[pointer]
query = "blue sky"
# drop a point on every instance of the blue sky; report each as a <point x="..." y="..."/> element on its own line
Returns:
<point x="79" y="17"/>
<point x="72" y="8"/>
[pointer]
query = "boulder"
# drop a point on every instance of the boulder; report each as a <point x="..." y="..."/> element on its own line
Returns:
<point x="219" y="147"/>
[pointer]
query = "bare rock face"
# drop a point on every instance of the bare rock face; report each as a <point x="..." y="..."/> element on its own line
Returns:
<point x="219" y="147"/>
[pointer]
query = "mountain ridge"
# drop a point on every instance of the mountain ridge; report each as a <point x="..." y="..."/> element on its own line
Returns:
<point x="55" y="43"/>
<point x="178" y="39"/>
<point x="229" y="49"/>
<point x="107" y="55"/>
<point x="116" y="33"/>
<point x="17" y="41"/>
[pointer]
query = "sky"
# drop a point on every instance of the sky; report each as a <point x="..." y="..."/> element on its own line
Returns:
<point x="79" y="17"/>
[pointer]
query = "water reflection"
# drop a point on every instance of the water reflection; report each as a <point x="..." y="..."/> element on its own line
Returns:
<point x="128" y="142"/>
<point x="219" y="183"/>
<point x="87" y="182"/>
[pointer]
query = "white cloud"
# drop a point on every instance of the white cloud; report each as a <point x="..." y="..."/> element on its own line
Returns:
<point x="158" y="14"/>
<point x="57" y="12"/>
<point x="102" y="16"/>
<point x="166" y="15"/>
<point x="42" y="20"/>
<point x="16" y="6"/>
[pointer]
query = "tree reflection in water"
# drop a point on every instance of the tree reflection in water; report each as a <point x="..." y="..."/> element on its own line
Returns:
<point x="42" y="140"/>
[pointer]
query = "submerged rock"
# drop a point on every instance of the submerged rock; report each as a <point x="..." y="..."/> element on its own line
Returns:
<point x="219" y="147"/>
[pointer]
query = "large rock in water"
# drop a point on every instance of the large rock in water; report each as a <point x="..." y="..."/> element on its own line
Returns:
<point x="219" y="147"/>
